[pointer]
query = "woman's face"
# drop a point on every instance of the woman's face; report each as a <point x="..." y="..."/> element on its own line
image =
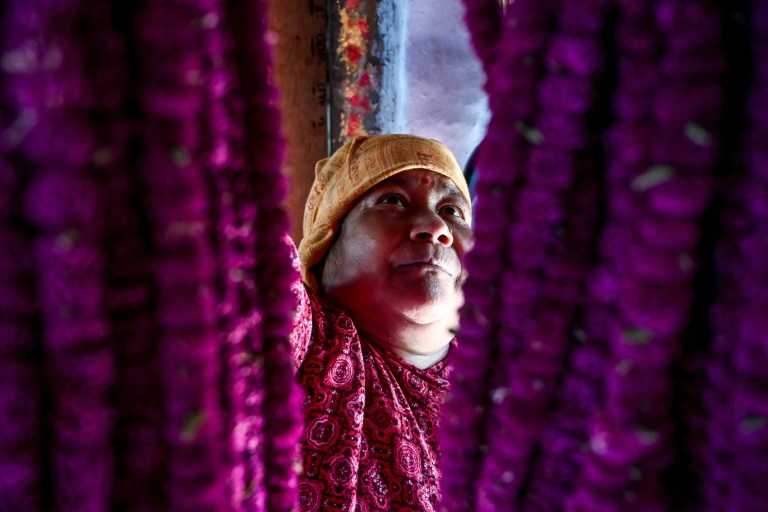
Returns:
<point x="400" y="250"/>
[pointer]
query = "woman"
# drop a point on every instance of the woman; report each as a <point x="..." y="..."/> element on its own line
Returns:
<point x="386" y="224"/>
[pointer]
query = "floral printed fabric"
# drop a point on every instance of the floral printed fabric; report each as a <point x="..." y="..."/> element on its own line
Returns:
<point x="371" y="418"/>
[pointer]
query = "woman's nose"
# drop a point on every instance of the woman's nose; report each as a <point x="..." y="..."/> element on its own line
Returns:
<point x="430" y="227"/>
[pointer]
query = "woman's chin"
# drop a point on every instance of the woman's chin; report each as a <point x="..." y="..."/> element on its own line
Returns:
<point x="425" y="300"/>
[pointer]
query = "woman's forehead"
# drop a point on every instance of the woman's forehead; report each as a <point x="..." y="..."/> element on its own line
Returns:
<point x="419" y="178"/>
<point x="440" y="187"/>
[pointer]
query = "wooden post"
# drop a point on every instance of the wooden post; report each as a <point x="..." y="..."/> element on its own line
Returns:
<point x="300" y="74"/>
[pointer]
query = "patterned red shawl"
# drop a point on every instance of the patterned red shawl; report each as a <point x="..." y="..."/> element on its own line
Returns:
<point x="371" y="418"/>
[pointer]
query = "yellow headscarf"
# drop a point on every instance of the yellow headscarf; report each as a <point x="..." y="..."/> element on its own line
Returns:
<point x="353" y="170"/>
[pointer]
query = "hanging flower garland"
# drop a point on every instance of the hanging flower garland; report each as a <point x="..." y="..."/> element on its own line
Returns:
<point x="564" y="439"/>
<point x="638" y="303"/>
<point x="137" y="437"/>
<point x="502" y="160"/>
<point x="282" y="409"/>
<point x="63" y="201"/>
<point x="484" y="20"/>
<point x="558" y="398"/>
<point x="21" y="393"/>
<point x="173" y="171"/>
<point x="20" y="387"/>
<point x="549" y="248"/>
<point x="107" y="297"/>
<point x="20" y="375"/>
<point x="737" y="416"/>
<point x="240" y="318"/>
<point x="661" y="179"/>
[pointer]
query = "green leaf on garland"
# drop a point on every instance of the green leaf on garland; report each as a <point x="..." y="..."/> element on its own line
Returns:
<point x="192" y="426"/>
<point x="68" y="239"/>
<point x="698" y="134"/>
<point x="686" y="262"/>
<point x="647" y="436"/>
<point x="530" y="133"/>
<point x="102" y="157"/>
<point x="249" y="489"/>
<point x="637" y="336"/>
<point x="210" y="20"/>
<point x="653" y="177"/>
<point x="623" y="367"/>
<point x="752" y="424"/>
<point x="181" y="157"/>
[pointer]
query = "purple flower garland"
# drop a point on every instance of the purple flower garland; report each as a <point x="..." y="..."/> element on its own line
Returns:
<point x="48" y="82"/>
<point x="737" y="416"/>
<point x="264" y="399"/>
<point x="20" y="388"/>
<point x="502" y="158"/>
<point x="542" y="275"/>
<point x="560" y="397"/>
<point x="165" y="312"/>
<point x="582" y="393"/>
<point x="282" y="410"/>
<point x="662" y="156"/>
<point x="240" y="317"/>
<point x="137" y="439"/>
<point x="184" y="263"/>
<point x="549" y="249"/>
<point x="20" y="374"/>
<point x="484" y="20"/>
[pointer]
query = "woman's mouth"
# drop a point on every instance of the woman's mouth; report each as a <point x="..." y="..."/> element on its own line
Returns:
<point x="423" y="266"/>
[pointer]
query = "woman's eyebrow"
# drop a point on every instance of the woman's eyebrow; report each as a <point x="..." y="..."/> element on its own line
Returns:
<point x="451" y="192"/>
<point x="455" y="195"/>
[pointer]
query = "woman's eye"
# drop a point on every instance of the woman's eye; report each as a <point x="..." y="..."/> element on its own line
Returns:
<point x="451" y="210"/>
<point x="393" y="199"/>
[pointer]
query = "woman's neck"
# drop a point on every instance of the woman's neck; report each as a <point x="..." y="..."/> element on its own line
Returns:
<point x="420" y="345"/>
<point x="423" y="361"/>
